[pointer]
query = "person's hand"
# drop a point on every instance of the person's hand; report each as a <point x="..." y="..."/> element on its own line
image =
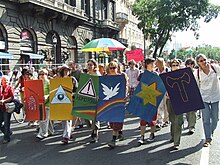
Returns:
<point x="1" y="102"/>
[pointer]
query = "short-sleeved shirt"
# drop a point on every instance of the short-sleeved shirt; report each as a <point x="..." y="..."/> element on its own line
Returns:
<point x="6" y="93"/>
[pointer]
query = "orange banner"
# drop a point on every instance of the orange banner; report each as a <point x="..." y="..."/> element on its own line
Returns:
<point x="34" y="100"/>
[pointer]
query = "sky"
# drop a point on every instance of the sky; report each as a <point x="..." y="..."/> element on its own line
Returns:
<point x="209" y="33"/>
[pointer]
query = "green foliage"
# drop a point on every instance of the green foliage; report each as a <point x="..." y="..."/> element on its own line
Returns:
<point x="159" y="19"/>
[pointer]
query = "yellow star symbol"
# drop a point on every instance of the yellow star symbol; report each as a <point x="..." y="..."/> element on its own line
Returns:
<point x="149" y="93"/>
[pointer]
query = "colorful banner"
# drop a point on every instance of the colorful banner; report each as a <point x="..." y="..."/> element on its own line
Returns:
<point x="111" y="104"/>
<point x="34" y="100"/>
<point x="147" y="96"/>
<point x="61" y="101"/>
<point x="136" y="55"/>
<point x="85" y="102"/>
<point x="183" y="91"/>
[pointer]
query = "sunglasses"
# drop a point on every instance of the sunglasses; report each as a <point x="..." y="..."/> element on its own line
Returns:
<point x="112" y="68"/>
<point x="202" y="60"/>
<point x="174" y="65"/>
<point x="90" y="64"/>
<point x="41" y="74"/>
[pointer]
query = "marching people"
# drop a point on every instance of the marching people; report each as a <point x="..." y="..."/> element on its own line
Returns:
<point x="176" y="120"/>
<point x="191" y="116"/>
<point x="112" y="69"/>
<point x="45" y="126"/>
<point x="149" y="66"/>
<point x="92" y="69"/>
<point x="6" y="96"/>
<point x="207" y="77"/>
<point x="64" y="72"/>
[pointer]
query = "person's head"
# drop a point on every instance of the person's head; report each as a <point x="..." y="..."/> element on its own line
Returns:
<point x="160" y="62"/>
<point x="149" y="64"/>
<point x="92" y="65"/>
<point x="132" y="64"/>
<point x="5" y="80"/>
<point x="24" y="71"/>
<point x="42" y="74"/>
<point x="102" y="69"/>
<point x="64" y="71"/>
<point x="201" y="60"/>
<point x="72" y="65"/>
<point x="190" y="62"/>
<point x="112" y="68"/>
<point x="174" y="64"/>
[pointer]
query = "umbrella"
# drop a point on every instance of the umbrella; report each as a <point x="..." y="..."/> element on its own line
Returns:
<point x="102" y="44"/>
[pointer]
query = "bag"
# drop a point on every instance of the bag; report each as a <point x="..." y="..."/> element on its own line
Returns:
<point x="10" y="107"/>
<point x="14" y="106"/>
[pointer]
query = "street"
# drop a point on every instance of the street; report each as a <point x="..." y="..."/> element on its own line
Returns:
<point x="26" y="149"/>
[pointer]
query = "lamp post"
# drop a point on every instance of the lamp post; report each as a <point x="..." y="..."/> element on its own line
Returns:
<point x="54" y="40"/>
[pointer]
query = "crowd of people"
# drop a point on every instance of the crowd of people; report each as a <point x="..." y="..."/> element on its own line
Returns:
<point x="206" y="74"/>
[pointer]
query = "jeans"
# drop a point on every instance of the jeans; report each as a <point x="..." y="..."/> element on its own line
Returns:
<point x="210" y="117"/>
<point x="5" y="117"/>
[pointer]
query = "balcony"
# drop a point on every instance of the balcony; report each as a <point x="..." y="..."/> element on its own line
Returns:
<point x="109" y="23"/>
<point x="121" y="18"/>
<point x="56" y="6"/>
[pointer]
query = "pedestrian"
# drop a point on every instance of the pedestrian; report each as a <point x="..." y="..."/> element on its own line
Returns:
<point x="191" y="116"/>
<point x="176" y="120"/>
<point x="207" y="77"/>
<point x="149" y="66"/>
<point x="45" y="126"/>
<point x="112" y="69"/>
<point x="6" y="96"/>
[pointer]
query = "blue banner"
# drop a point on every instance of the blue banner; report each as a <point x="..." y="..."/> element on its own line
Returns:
<point x="147" y="96"/>
<point x="111" y="104"/>
<point x="183" y="91"/>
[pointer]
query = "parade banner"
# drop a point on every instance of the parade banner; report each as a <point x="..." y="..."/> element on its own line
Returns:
<point x="100" y="97"/>
<point x="182" y="90"/>
<point x="136" y="55"/>
<point x="34" y="100"/>
<point x="61" y="101"/>
<point x="147" y="96"/>
<point x="85" y="101"/>
<point x="112" y="93"/>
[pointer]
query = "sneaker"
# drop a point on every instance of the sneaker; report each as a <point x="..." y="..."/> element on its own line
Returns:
<point x="176" y="147"/>
<point x="141" y="141"/>
<point x="191" y="131"/>
<point x="151" y="137"/>
<point x="120" y="137"/>
<point x="40" y="137"/>
<point x="79" y="126"/>
<point x="111" y="144"/>
<point x="207" y="143"/>
<point x="65" y="141"/>
<point x="94" y="140"/>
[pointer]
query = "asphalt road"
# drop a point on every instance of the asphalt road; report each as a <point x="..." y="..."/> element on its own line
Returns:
<point x="25" y="149"/>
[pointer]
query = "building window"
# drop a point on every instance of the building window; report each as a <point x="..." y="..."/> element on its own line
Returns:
<point x="71" y="2"/>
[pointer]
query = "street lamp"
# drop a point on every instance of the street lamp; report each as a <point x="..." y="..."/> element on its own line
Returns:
<point x="54" y="40"/>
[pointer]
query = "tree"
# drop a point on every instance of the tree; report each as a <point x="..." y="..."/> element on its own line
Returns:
<point x="159" y="19"/>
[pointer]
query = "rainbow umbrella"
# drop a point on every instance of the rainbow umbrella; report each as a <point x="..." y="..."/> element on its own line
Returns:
<point x="102" y="44"/>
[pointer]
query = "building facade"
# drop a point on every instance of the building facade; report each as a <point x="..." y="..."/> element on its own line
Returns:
<point x="58" y="29"/>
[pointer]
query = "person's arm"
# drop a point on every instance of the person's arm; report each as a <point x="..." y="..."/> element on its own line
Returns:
<point x="17" y="83"/>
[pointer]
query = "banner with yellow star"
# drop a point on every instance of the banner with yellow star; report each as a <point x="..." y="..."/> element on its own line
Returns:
<point x="147" y="96"/>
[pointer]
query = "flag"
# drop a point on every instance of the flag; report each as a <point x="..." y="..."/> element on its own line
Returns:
<point x="183" y="91"/>
<point x="188" y="49"/>
<point x="61" y="102"/>
<point x="97" y="97"/>
<point x="85" y="102"/>
<point x="147" y="96"/>
<point x="136" y="55"/>
<point x="111" y="104"/>
<point x="34" y="100"/>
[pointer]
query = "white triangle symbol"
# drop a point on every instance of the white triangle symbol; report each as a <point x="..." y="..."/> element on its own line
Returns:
<point x="60" y="97"/>
<point x="88" y="89"/>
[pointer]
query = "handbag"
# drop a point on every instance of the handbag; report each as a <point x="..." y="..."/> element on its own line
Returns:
<point x="10" y="107"/>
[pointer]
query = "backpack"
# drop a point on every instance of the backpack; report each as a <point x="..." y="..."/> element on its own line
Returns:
<point x="18" y="106"/>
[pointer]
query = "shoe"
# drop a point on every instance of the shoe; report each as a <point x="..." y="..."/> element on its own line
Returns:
<point x="207" y="143"/>
<point x="191" y="131"/>
<point x="5" y="141"/>
<point x="176" y="147"/>
<point x="65" y="140"/>
<point x="111" y="144"/>
<point x="120" y="137"/>
<point x="151" y="137"/>
<point x="40" y="137"/>
<point x="141" y="141"/>
<point x="79" y="126"/>
<point x="94" y="140"/>
<point x="158" y="127"/>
